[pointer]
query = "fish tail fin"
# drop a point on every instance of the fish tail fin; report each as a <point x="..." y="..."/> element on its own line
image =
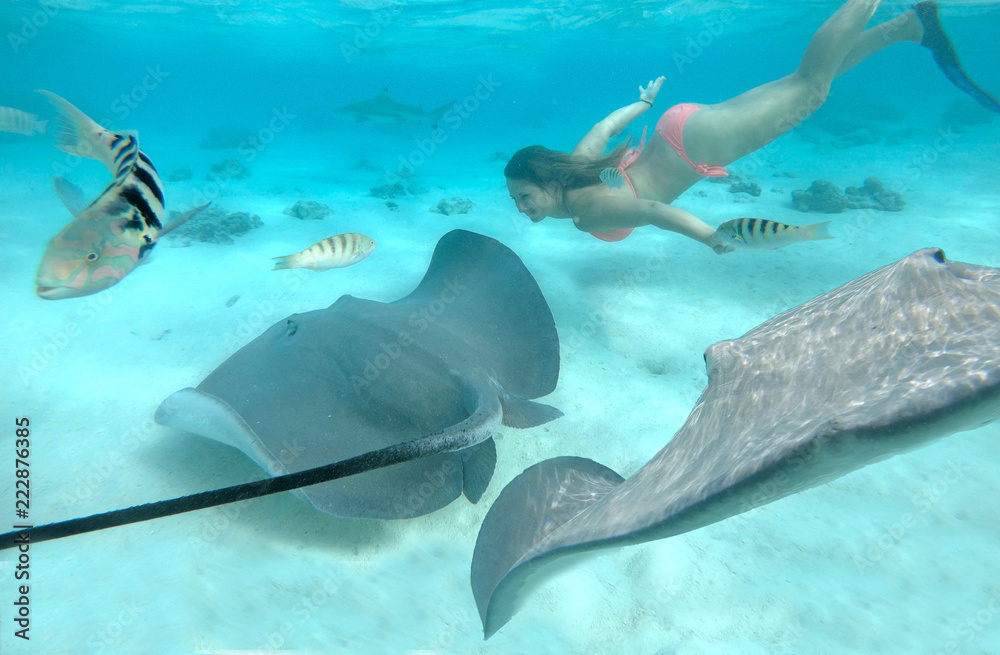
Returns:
<point x="437" y="114"/>
<point x="283" y="262"/>
<point x="816" y="231"/>
<point x="77" y="134"/>
<point x="40" y="126"/>
<point x="443" y="109"/>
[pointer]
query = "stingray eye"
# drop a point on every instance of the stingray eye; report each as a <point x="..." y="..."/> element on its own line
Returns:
<point x="291" y="327"/>
<point x="92" y="257"/>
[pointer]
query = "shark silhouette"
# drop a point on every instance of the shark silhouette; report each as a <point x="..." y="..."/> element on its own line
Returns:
<point x="383" y="109"/>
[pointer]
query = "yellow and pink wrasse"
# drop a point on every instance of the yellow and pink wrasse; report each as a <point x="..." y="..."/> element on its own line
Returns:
<point x="20" y="122"/>
<point x="336" y="252"/>
<point x="109" y="237"/>
<point x="762" y="234"/>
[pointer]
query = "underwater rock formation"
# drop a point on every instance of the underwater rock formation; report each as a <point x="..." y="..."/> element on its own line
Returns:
<point x="387" y="191"/>
<point x="825" y="197"/>
<point x="822" y="196"/>
<point x="308" y="210"/>
<point x="739" y="184"/>
<point x="874" y="195"/>
<point x="230" y="169"/>
<point x="214" y="225"/>
<point x="449" y="206"/>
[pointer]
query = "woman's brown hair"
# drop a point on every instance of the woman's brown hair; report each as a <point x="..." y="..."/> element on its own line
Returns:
<point x="540" y="166"/>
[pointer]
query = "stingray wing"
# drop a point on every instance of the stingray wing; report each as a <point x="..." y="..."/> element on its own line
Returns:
<point x="892" y="360"/>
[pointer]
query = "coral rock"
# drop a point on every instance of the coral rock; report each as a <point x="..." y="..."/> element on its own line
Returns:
<point x="449" y="206"/>
<point x="308" y="210"/>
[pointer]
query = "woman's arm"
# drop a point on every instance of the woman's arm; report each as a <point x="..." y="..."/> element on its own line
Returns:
<point x="593" y="144"/>
<point x="607" y="213"/>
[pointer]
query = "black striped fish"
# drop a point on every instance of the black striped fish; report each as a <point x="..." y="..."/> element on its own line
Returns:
<point x="20" y="122"/>
<point x="762" y="234"/>
<point x="612" y="177"/>
<point x="335" y="252"/>
<point x="109" y="237"/>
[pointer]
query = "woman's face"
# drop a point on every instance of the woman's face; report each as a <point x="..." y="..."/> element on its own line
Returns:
<point x="533" y="201"/>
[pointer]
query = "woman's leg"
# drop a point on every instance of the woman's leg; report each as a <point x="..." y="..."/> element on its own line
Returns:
<point x="722" y="133"/>
<point x="905" y="27"/>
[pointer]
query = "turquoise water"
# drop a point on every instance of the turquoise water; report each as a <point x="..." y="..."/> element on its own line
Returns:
<point x="275" y="574"/>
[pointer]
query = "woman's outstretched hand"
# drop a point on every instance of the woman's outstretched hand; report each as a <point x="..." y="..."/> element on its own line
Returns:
<point x="718" y="244"/>
<point x="648" y="94"/>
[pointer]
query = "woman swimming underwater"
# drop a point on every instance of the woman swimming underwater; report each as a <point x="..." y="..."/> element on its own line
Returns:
<point x="610" y="195"/>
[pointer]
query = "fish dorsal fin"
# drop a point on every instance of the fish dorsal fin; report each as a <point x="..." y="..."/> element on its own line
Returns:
<point x="612" y="177"/>
<point x="77" y="134"/>
<point x="70" y="194"/>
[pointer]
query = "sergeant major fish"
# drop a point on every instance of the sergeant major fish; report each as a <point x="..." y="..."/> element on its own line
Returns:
<point x="109" y="237"/>
<point x="335" y="252"/>
<point x="762" y="234"/>
<point x="20" y="122"/>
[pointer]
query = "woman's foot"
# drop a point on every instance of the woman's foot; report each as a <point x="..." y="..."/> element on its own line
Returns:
<point x="935" y="40"/>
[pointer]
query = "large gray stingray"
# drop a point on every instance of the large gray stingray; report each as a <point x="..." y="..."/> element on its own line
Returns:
<point x="466" y="350"/>
<point x="890" y="361"/>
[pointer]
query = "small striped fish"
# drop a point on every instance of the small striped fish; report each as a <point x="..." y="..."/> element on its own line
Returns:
<point x="612" y="177"/>
<point x="762" y="234"/>
<point x="336" y="252"/>
<point x="20" y="122"/>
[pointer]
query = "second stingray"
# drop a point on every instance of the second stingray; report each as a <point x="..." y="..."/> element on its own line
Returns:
<point x="466" y="350"/>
